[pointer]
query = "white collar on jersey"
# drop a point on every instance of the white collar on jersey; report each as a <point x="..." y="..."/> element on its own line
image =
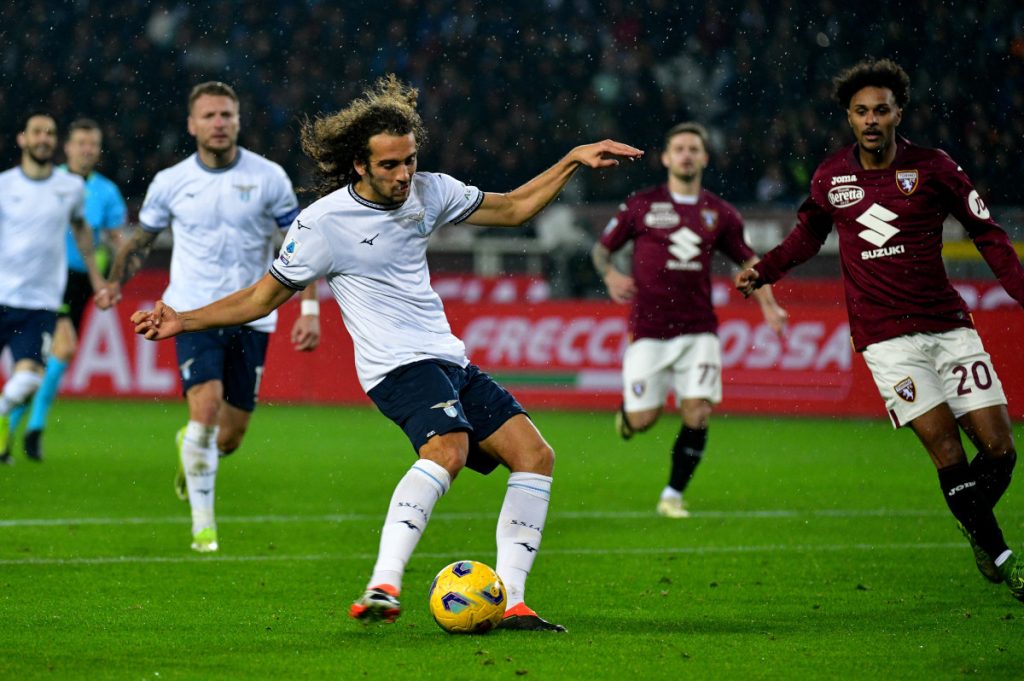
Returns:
<point x="685" y="199"/>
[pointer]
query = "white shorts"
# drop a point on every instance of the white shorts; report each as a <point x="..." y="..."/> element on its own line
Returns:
<point x="691" y="365"/>
<point x="918" y="372"/>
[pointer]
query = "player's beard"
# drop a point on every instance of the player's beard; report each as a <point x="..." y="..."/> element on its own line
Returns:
<point x="687" y="176"/>
<point x="33" y="153"/>
<point x="221" y="149"/>
<point x="389" y="194"/>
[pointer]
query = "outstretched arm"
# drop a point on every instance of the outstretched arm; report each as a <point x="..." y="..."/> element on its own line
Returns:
<point x="521" y="204"/>
<point x="240" y="307"/>
<point x="813" y="225"/>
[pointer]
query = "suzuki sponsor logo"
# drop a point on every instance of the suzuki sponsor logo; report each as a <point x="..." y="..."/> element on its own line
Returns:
<point x="882" y="252"/>
<point x="686" y="245"/>
<point x="878" y="221"/>
<point x="845" y="196"/>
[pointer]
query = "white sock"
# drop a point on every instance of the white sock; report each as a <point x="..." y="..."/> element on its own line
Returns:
<point x="18" y="388"/>
<point x="671" y="493"/>
<point x="199" y="458"/>
<point x="410" y="509"/>
<point x="520" y="526"/>
<point x="1003" y="557"/>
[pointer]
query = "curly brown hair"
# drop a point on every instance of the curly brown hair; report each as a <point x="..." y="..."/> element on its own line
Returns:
<point x="871" y="73"/>
<point x="336" y="141"/>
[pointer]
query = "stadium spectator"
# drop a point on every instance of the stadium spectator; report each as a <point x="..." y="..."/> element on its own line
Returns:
<point x="105" y="213"/>
<point x="226" y="207"/>
<point x="887" y="199"/>
<point x="37" y="203"/>
<point x="675" y="228"/>
<point x="368" y="235"/>
<point x="535" y="82"/>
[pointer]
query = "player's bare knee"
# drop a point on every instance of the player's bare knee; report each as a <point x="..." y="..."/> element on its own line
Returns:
<point x="538" y="458"/>
<point x="696" y="414"/>
<point x="1003" y="452"/>
<point x="450" y="453"/>
<point x="205" y="410"/>
<point x="228" y="442"/>
<point x="1001" y="449"/>
<point x="947" y="452"/>
<point x="640" y="421"/>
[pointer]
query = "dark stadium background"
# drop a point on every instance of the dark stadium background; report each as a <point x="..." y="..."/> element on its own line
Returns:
<point x="508" y="87"/>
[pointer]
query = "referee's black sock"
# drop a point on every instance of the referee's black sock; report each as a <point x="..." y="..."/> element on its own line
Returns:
<point x="993" y="474"/>
<point x="969" y="505"/>
<point x="686" y="454"/>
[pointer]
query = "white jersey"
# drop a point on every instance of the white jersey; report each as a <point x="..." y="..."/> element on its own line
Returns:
<point x="224" y="221"/>
<point x="375" y="260"/>
<point x="34" y="216"/>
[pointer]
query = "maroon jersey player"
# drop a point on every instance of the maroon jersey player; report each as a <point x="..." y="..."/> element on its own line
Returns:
<point x="887" y="200"/>
<point x="675" y="228"/>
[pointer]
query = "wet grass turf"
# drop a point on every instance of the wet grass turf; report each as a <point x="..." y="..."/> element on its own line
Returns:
<point x="818" y="549"/>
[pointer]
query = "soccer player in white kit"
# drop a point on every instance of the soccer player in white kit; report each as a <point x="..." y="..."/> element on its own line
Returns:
<point x="37" y="202"/>
<point x="368" y="235"/>
<point x="226" y="207"/>
<point x="105" y="211"/>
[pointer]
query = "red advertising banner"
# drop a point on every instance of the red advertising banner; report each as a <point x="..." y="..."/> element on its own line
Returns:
<point x="556" y="354"/>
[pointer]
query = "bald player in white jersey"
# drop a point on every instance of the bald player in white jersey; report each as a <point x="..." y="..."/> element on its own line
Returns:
<point x="226" y="207"/>
<point x="368" y="235"/>
<point x="37" y="202"/>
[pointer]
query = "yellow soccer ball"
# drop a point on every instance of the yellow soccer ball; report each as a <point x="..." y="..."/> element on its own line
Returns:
<point x="467" y="597"/>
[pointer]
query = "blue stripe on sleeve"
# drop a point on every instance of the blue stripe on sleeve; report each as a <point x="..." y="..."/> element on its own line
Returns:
<point x="287" y="219"/>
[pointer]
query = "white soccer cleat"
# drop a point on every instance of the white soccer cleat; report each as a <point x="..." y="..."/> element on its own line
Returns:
<point x="673" y="508"/>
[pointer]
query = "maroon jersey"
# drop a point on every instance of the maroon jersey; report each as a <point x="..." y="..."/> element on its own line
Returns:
<point x="889" y="224"/>
<point x="673" y="244"/>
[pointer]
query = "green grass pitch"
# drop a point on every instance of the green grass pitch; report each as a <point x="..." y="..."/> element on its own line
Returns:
<point x="818" y="549"/>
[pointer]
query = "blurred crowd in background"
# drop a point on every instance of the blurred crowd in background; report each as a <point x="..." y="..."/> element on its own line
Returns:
<point x="507" y="88"/>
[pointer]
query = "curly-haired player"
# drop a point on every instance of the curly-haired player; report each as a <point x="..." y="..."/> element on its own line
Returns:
<point x="367" y="235"/>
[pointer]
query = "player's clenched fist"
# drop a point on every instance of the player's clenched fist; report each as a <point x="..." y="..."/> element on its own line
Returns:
<point x="157" y="324"/>
<point x="747" y="281"/>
